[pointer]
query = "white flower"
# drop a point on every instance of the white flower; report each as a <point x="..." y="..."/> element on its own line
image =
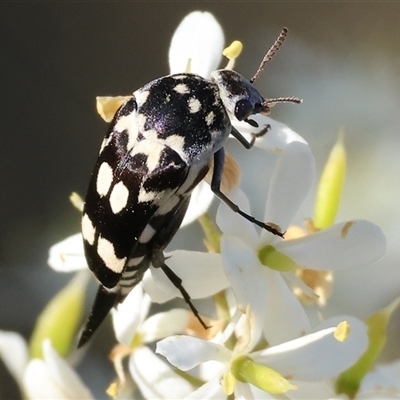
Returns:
<point x="202" y="273"/>
<point x="311" y="358"/>
<point x="50" y="378"/>
<point x="343" y="245"/>
<point x="68" y="255"/>
<point x="154" y="377"/>
<point x="200" y="39"/>
<point x="382" y="382"/>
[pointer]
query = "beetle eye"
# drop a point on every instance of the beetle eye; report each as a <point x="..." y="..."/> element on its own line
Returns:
<point x="243" y="109"/>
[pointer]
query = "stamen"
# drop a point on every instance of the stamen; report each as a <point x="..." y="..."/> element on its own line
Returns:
<point x="232" y="52"/>
<point x="188" y="66"/>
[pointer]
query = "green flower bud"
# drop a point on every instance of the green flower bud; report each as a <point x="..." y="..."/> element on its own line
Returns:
<point x="330" y="186"/>
<point x="61" y="318"/>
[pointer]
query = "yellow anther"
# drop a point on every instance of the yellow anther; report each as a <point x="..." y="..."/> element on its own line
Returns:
<point x="228" y="383"/>
<point x="342" y="331"/>
<point x="113" y="390"/>
<point x="233" y="50"/>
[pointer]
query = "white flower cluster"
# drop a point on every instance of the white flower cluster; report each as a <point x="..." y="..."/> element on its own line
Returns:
<point x="264" y="345"/>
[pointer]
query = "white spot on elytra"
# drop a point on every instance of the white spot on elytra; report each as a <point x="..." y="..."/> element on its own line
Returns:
<point x="147" y="234"/>
<point x="175" y="142"/>
<point x="104" y="179"/>
<point x="119" y="197"/>
<point x="88" y="230"/>
<point x="106" y="251"/>
<point x="210" y="118"/>
<point x="153" y="146"/>
<point x="153" y="157"/>
<point x="136" y="127"/>
<point x="125" y="122"/>
<point x="145" y="196"/>
<point x="104" y="143"/>
<point x="194" y="105"/>
<point x="181" y="88"/>
<point x="141" y="96"/>
<point x="129" y="124"/>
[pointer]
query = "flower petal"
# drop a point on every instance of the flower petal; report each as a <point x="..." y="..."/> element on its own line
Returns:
<point x="344" y="245"/>
<point x="53" y="378"/>
<point x="199" y="37"/>
<point x="318" y="355"/>
<point x="186" y="352"/>
<point x="202" y="276"/>
<point x="232" y="223"/>
<point x="243" y="392"/>
<point x="164" y="324"/>
<point x="290" y="184"/>
<point x="68" y="255"/>
<point x="200" y="201"/>
<point x="376" y="394"/>
<point x="155" y="378"/>
<point x="275" y="140"/>
<point x="129" y="315"/>
<point x="38" y="383"/>
<point x="248" y="281"/>
<point x="313" y="391"/>
<point x="14" y="353"/>
<point x="285" y="317"/>
<point x="383" y="379"/>
<point x="265" y="291"/>
<point x="210" y="390"/>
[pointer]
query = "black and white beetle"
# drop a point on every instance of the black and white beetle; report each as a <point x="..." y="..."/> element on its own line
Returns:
<point x="159" y="146"/>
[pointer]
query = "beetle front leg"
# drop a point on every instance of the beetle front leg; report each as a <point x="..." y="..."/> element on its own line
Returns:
<point x="219" y="158"/>
<point x="244" y="142"/>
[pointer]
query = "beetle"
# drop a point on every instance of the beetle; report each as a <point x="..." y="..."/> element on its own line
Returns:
<point x="159" y="146"/>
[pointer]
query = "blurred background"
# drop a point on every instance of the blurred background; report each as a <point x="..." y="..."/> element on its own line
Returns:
<point x="342" y="58"/>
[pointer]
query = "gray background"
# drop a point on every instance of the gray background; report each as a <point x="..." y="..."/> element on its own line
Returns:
<point x="342" y="58"/>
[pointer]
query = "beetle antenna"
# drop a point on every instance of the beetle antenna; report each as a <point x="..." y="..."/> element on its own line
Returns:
<point x="272" y="102"/>
<point x="271" y="52"/>
<point x="268" y="103"/>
